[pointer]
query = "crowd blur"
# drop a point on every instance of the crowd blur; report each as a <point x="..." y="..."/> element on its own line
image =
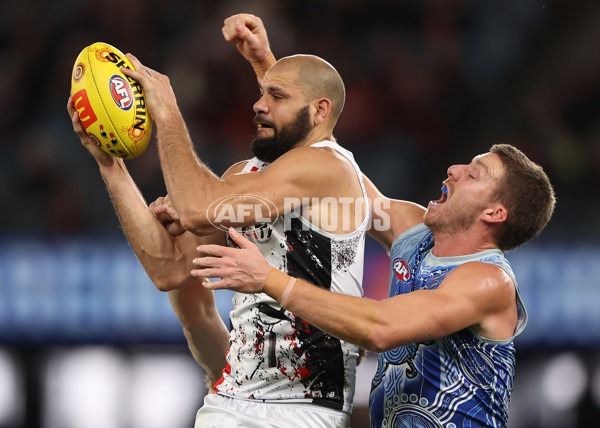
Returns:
<point x="429" y="83"/>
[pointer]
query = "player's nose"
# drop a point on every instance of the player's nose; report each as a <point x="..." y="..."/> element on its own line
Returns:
<point x="454" y="172"/>
<point x="260" y="106"/>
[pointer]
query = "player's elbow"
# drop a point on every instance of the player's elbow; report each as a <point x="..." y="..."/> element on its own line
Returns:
<point x="163" y="285"/>
<point x="170" y="282"/>
<point x="379" y="339"/>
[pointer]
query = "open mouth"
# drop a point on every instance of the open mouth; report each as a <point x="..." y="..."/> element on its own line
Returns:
<point x="262" y="123"/>
<point x="444" y="197"/>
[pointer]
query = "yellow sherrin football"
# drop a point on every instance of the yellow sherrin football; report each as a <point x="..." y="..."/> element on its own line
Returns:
<point x="111" y="106"/>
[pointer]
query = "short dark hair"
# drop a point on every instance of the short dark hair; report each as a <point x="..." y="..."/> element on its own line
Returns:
<point x="526" y="193"/>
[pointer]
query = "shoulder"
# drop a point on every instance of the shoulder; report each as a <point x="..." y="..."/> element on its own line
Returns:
<point x="318" y="154"/>
<point x="312" y="162"/>
<point x="488" y="283"/>
<point x="482" y="273"/>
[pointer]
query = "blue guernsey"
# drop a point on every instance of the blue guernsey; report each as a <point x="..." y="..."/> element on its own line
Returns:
<point x="460" y="380"/>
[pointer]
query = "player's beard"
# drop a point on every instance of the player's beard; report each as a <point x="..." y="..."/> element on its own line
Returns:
<point x="270" y="148"/>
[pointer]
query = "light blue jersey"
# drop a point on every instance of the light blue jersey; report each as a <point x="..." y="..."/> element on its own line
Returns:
<point x="460" y="380"/>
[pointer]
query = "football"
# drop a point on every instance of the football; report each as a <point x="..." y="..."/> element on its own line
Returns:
<point x="111" y="106"/>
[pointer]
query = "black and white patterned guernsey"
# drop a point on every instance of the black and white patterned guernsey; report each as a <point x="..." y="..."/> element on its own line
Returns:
<point x="275" y="355"/>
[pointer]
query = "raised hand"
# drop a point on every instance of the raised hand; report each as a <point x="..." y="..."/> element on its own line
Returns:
<point x="100" y="155"/>
<point x="249" y="35"/>
<point x="160" y="98"/>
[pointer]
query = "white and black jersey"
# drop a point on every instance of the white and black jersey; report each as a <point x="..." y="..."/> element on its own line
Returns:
<point x="275" y="355"/>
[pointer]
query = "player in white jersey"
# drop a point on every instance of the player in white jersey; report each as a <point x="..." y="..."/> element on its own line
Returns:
<point x="445" y="334"/>
<point x="273" y="356"/>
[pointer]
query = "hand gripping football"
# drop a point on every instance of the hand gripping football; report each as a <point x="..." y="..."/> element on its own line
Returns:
<point x="111" y="106"/>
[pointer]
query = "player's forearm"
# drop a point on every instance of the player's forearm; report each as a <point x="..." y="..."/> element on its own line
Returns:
<point x="261" y="67"/>
<point x="353" y="319"/>
<point x="157" y="251"/>
<point x="209" y="355"/>
<point x="191" y="185"/>
<point x="204" y="329"/>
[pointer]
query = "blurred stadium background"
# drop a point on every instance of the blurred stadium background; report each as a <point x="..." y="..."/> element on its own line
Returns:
<point x="86" y="340"/>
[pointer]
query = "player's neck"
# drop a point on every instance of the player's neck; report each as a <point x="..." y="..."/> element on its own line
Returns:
<point x="316" y="136"/>
<point x="461" y="243"/>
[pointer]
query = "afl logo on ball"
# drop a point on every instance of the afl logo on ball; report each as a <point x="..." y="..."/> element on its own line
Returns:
<point x="121" y="92"/>
<point x="401" y="270"/>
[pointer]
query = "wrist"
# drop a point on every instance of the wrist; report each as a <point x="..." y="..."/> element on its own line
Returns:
<point x="112" y="170"/>
<point x="261" y="67"/>
<point x="279" y="285"/>
<point x="168" y="117"/>
<point x="109" y="163"/>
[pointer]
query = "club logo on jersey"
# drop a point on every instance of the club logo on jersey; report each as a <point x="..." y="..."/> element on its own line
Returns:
<point x="78" y="73"/>
<point x="121" y="92"/>
<point x="242" y="210"/>
<point x="258" y="232"/>
<point x="401" y="270"/>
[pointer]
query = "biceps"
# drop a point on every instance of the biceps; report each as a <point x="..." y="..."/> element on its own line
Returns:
<point x="429" y="314"/>
<point x="391" y="218"/>
<point x="259" y="195"/>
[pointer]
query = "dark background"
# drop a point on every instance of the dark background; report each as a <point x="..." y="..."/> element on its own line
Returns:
<point x="429" y="84"/>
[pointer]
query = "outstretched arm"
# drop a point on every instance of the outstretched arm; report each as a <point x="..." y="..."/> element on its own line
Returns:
<point x="165" y="257"/>
<point x="194" y="188"/>
<point x="478" y="295"/>
<point x="390" y="217"/>
<point x="161" y="254"/>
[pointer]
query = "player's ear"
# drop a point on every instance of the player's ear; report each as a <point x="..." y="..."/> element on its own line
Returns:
<point x="322" y="108"/>
<point x="495" y="214"/>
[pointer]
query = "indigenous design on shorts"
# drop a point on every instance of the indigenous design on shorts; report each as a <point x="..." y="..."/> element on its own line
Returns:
<point x="461" y="380"/>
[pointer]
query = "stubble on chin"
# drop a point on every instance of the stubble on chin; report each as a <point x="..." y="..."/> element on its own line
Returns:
<point x="448" y="222"/>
